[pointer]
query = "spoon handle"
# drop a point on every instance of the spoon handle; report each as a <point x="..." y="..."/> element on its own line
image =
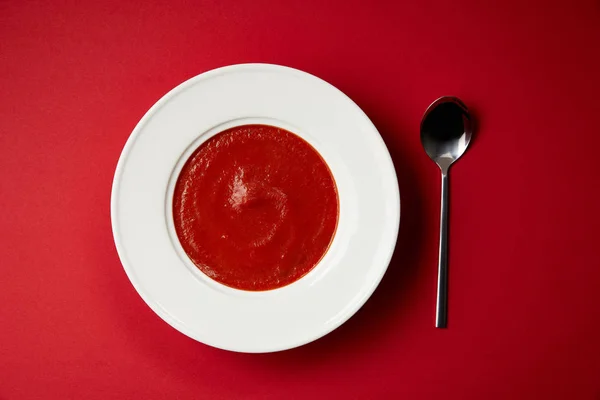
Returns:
<point x="441" y="314"/>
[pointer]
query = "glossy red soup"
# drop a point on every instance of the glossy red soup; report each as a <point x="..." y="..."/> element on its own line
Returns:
<point x="255" y="207"/>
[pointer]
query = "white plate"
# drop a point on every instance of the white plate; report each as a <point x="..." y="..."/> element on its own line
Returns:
<point x="255" y="321"/>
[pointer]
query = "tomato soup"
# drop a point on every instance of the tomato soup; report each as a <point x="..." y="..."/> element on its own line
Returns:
<point x="255" y="207"/>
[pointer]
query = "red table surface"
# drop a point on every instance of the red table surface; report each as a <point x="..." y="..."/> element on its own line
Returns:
<point x="524" y="320"/>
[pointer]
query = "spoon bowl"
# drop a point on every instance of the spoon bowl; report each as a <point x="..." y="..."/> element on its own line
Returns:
<point x="446" y="131"/>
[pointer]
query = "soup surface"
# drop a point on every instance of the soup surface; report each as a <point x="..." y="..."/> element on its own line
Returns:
<point x="255" y="207"/>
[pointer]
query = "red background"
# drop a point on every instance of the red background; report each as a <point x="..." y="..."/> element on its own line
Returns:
<point x="75" y="77"/>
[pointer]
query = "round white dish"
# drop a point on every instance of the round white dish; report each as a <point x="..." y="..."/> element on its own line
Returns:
<point x="206" y="310"/>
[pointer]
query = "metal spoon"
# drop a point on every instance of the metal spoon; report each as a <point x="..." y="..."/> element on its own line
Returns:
<point x="445" y="134"/>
